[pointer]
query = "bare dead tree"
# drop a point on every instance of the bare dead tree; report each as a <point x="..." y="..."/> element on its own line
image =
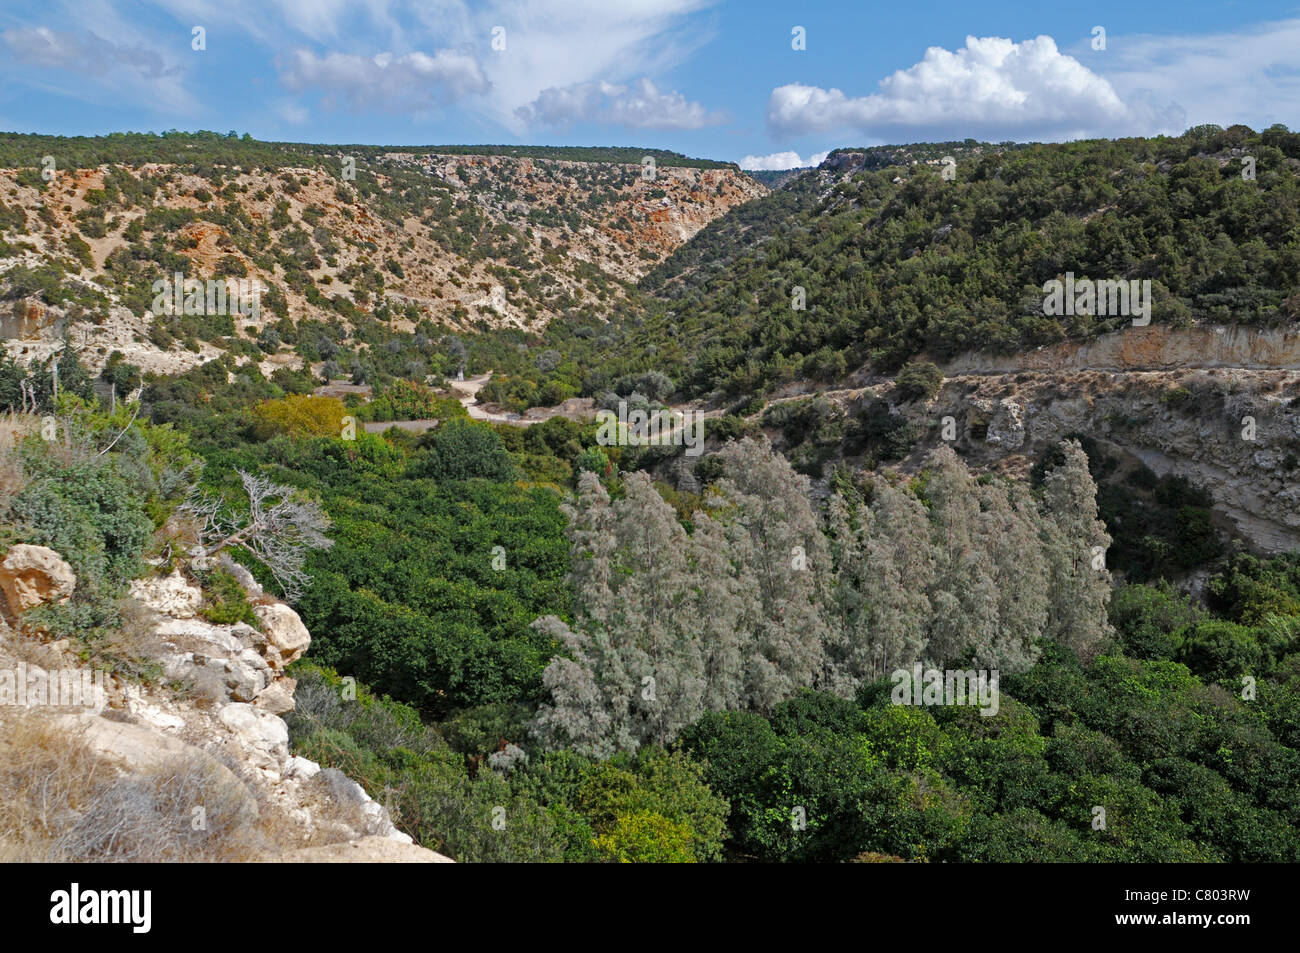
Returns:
<point x="280" y="528"/>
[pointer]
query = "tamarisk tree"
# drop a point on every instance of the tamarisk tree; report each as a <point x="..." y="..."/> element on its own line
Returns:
<point x="279" y="528"/>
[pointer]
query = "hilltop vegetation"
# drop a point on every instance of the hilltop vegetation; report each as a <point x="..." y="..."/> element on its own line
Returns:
<point x="894" y="260"/>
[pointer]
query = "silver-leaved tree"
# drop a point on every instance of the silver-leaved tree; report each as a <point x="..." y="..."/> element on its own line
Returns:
<point x="764" y="598"/>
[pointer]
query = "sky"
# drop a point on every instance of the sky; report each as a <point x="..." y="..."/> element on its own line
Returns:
<point x="763" y="83"/>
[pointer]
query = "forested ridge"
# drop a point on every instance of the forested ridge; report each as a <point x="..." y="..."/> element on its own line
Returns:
<point x="895" y="260"/>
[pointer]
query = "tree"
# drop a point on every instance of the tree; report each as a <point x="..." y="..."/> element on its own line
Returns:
<point x="1010" y="533"/>
<point x="462" y="450"/>
<point x="963" y="594"/>
<point x="280" y="528"/>
<point x="1076" y="552"/>
<point x="786" y="554"/>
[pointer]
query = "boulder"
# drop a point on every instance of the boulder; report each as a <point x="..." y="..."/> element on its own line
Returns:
<point x="286" y="637"/>
<point x="264" y="736"/>
<point x="1007" y="428"/>
<point x="277" y="698"/>
<point x="138" y="749"/>
<point x="31" y="576"/>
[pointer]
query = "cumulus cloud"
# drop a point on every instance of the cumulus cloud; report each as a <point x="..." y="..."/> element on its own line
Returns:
<point x="639" y="106"/>
<point x="992" y="88"/>
<point x="387" y="81"/>
<point x="778" y="161"/>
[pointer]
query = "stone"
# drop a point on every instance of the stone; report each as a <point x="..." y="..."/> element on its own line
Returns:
<point x="364" y="850"/>
<point x="286" y="637"/>
<point x="171" y="595"/>
<point x="277" y="698"/>
<point x="1007" y="428"/>
<point x="138" y="749"/>
<point x="303" y="769"/>
<point x="263" y="735"/>
<point x="31" y="576"/>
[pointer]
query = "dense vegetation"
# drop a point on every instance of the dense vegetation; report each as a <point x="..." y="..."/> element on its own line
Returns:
<point x="895" y="260"/>
<point x="569" y="651"/>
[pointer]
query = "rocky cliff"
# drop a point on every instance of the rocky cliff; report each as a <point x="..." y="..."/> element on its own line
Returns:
<point x="1219" y="405"/>
<point x="199" y="747"/>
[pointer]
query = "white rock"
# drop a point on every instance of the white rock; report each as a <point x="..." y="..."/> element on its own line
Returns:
<point x="263" y="735"/>
<point x="287" y="638"/>
<point x="303" y="769"/>
<point x="171" y="595"/>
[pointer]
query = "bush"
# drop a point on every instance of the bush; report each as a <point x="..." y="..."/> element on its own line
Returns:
<point x="919" y="380"/>
<point x="299" y="416"/>
<point x="463" y="450"/>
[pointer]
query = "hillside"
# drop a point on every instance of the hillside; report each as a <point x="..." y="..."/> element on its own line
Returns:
<point x="895" y="260"/>
<point x="450" y="241"/>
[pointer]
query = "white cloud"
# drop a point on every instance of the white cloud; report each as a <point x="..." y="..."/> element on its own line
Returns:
<point x="1247" y="75"/>
<point x="387" y="82"/>
<point x="781" y="160"/>
<point x="992" y="88"/>
<point x="639" y="106"/>
<point x="126" y="67"/>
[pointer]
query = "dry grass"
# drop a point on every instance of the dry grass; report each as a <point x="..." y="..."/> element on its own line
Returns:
<point x="59" y="803"/>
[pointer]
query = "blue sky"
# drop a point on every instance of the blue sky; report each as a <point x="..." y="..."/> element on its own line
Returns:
<point x="712" y="78"/>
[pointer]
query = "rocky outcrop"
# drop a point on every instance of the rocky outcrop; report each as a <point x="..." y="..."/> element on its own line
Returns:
<point x="286" y="637"/>
<point x="1153" y="348"/>
<point x="1233" y="431"/>
<point x="34" y="575"/>
<point x="214" y="717"/>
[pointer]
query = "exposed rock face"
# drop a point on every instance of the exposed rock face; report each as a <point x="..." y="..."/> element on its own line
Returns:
<point x="1152" y="348"/>
<point x="34" y="575"/>
<point x="1007" y="428"/>
<point x="215" y="716"/>
<point x="171" y="595"/>
<point x="1234" y="431"/>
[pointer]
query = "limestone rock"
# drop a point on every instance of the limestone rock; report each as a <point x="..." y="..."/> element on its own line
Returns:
<point x="364" y="850"/>
<point x="264" y="736"/>
<point x="286" y="637"/>
<point x="277" y="698"/>
<point x="1007" y="428"/>
<point x="171" y="595"/>
<point x="34" y="575"/>
<point x="138" y="749"/>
